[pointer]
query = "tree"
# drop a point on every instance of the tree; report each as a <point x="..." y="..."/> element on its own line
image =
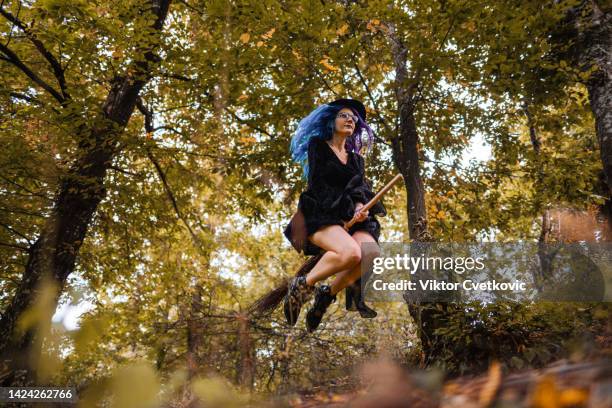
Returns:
<point x="52" y="256"/>
<point x="583" y="40"/>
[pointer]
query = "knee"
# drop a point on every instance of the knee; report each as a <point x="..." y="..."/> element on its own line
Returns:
<point x="371" y="251"/>
<point x="350" y="256"/>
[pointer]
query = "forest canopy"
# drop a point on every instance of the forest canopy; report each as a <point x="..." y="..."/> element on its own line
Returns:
<point x="146" y="179"/>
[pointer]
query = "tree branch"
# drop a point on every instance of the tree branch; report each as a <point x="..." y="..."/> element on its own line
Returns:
<point x="14" y="231"/>
<point x="55" y="65"/>
<point x="120" y="170"/>
<point x="243" y="121"/>
<point x="24" y="249"/>
<point x="419" y="86"/>
<point x="376" y="109"/>
<point x="239" y="119"/>
<point x="32" y="193"/>
<point x="26" y="98"/>
<point x="148" y="115"/>
<point x="14" y="59"/>
<point x="175" y="76"/>
<point x="17" y="211"/>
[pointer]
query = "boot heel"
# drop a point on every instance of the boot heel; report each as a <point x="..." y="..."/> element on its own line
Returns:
<point x="363" y="309"/>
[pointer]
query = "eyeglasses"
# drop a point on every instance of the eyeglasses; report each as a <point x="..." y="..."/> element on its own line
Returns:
<point x="346" y="116"/>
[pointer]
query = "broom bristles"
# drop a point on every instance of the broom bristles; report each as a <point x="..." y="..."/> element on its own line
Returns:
<point x="268" y="302"/>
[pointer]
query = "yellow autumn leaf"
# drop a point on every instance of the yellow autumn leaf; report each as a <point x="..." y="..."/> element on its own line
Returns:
<point x="268" y="35"/>
<point x="260" y="43"/>
<point x="245" y="38"/>
<point x="342" y="30"/>
<point x="470" y="26"/>
<point x="452" y="388"/>
<point x="328" y="65"/>
<point x="248" y="140"/>
<point x="490" y="388"/>
<point x="573" y="397"/>
<point x="545" y="394"/>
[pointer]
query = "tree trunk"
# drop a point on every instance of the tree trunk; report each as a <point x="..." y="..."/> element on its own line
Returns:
<point x="247" y="366"/>
<point x="596" y="51"/>
<point x="427" y="316"/>
<point x="545" y="270"/>
<point x="589" y="28"/>
<point x="194" y="329"/>
<point x="405" y="144"/>
<point x="53" y="255"/>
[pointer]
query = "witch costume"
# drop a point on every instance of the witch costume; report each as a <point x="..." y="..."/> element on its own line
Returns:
<point x="333" y="191"/>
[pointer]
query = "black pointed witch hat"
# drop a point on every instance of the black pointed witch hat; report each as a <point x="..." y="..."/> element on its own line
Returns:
<point x="351" y="103"/>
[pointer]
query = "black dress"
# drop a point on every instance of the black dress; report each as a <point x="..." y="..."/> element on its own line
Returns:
<point x="334" y="189"/>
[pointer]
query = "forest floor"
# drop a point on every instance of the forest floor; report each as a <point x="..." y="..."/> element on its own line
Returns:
<point x="559" y="385"/>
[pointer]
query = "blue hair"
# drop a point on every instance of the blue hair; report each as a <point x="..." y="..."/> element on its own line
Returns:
<point x="320" y="124"/>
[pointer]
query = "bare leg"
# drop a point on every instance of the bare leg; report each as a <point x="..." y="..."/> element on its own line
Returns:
<point x="342" y="253"/>
<point x="347" y="277"/>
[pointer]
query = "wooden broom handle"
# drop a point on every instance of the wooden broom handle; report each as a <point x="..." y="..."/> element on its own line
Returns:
<point x="375" y="199"/>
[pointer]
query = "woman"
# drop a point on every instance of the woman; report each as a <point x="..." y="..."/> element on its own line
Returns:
<point x="327" y="145"/>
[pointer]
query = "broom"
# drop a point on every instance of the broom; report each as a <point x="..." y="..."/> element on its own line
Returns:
<point x="272" y="299"/>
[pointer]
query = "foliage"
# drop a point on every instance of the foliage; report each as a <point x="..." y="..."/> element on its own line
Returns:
<point x="189" y="231"/>
<point x="517" y="335"/>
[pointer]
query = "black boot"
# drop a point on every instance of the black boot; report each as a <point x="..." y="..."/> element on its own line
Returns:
<point x="354" y="301"/>
<point x="323" y="298"/>
<point x="349" y="295"/>
<point x="298" y="293"/>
